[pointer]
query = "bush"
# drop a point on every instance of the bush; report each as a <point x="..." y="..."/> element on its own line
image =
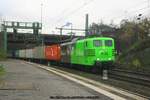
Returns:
<point x="137" y="47"/>
<point x="136" y="63"/>
<point x="2" y="70"/>
<point x="136" y="57"/>
<point x="2" y="55"/>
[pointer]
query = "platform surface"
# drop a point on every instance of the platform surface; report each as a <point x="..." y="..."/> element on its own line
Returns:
<point x="26" y="82"/>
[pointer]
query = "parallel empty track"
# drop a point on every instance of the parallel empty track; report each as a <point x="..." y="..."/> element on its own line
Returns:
<point x="130" y="76"/>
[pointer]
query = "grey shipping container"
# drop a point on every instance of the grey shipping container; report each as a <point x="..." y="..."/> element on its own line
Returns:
<point x="22" y="53"/>
<point x="29" y="53"/>
<point x="39" y="52"/>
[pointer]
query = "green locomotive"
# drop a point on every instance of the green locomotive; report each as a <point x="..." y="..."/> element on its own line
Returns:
<point x="94" y="51"/>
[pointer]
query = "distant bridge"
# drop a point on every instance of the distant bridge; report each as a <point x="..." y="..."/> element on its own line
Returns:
<point x="14" y="40"/>
<point x="21" y="41"/>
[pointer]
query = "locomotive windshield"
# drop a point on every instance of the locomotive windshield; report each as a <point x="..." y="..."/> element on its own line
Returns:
<point x="97" y="43"/>
<point x="108" y="43"/>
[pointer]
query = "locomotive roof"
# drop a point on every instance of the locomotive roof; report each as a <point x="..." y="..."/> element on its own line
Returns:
<point x="101" y="38"/>
<point x="93" y="38"/>
<point x="67" y="43"/>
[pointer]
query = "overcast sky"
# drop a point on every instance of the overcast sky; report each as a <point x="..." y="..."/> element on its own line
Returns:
<point x="55" y="13"/>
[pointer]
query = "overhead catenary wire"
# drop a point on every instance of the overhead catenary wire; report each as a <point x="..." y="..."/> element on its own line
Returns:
<point x="64" y="11"/>
<point x="67" y="15"/>
<point x="74" y="11"/>
<point x="132" y="12"/>
<point x="138" y="4"/>
<point x="85" y="4"/>
<point x="140" y="10"/>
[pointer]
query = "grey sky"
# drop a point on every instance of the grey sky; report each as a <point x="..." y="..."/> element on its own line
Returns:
<point x="57" y="12"/>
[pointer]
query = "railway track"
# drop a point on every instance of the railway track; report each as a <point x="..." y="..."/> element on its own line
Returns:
<point x="137" y="78"/>
<point x="116" y="79"/>
<point x="130" y="76"/>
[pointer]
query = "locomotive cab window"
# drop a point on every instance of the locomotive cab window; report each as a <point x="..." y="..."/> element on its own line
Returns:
<point x="108" y="43"/>
<point x="97" y="43"/>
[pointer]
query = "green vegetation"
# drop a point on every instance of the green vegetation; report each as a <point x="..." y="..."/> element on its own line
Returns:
<point x="2" y="70"/>
<point x="132" y="41"/>
<point x="2" y="55"/>
<point x="137" y="47"/>
<point x="137" y="57"/>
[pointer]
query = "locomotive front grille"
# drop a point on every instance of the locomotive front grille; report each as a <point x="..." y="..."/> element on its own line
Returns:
<point x="113" y="52"/>
<point x="90" y="52"/>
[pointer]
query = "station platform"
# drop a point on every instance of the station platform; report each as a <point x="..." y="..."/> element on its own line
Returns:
<point x="24" y="81"/>
<point x="29" y="81"/>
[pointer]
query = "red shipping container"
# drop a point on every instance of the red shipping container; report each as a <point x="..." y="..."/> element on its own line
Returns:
<point x="53" y="52"/>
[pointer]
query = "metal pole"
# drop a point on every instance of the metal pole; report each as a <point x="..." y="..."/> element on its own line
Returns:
<point x="41" y="15"/>
<point x="105" y="74"/>
<point x="60" y="34"/>
<point x="86" y="25"/>
<point x="5" y="40"/>
<point x="0" y="23"/>
<point x="71" y="28"/>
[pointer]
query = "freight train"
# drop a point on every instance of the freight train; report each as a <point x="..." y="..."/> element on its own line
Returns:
<point x="91" y="52"/>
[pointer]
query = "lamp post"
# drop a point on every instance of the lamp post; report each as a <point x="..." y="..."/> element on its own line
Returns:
<point x="71" y="27"/>
<point x="41" y="14"/>
<point x="41" y="19"/>
<point x="4" y="31"/>
<point x="0" y="22"/>
<point x="137" y="27"/>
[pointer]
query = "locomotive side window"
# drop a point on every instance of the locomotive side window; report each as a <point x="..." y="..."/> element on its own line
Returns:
<point x="108" y="43"/>
<point x="85" y="44"/>
<point x="97" y="43"/>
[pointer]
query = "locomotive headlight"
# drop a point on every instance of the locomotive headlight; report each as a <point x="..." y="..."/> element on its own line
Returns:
<point x="109" y="58"/>
<point x="98" y="59"/>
